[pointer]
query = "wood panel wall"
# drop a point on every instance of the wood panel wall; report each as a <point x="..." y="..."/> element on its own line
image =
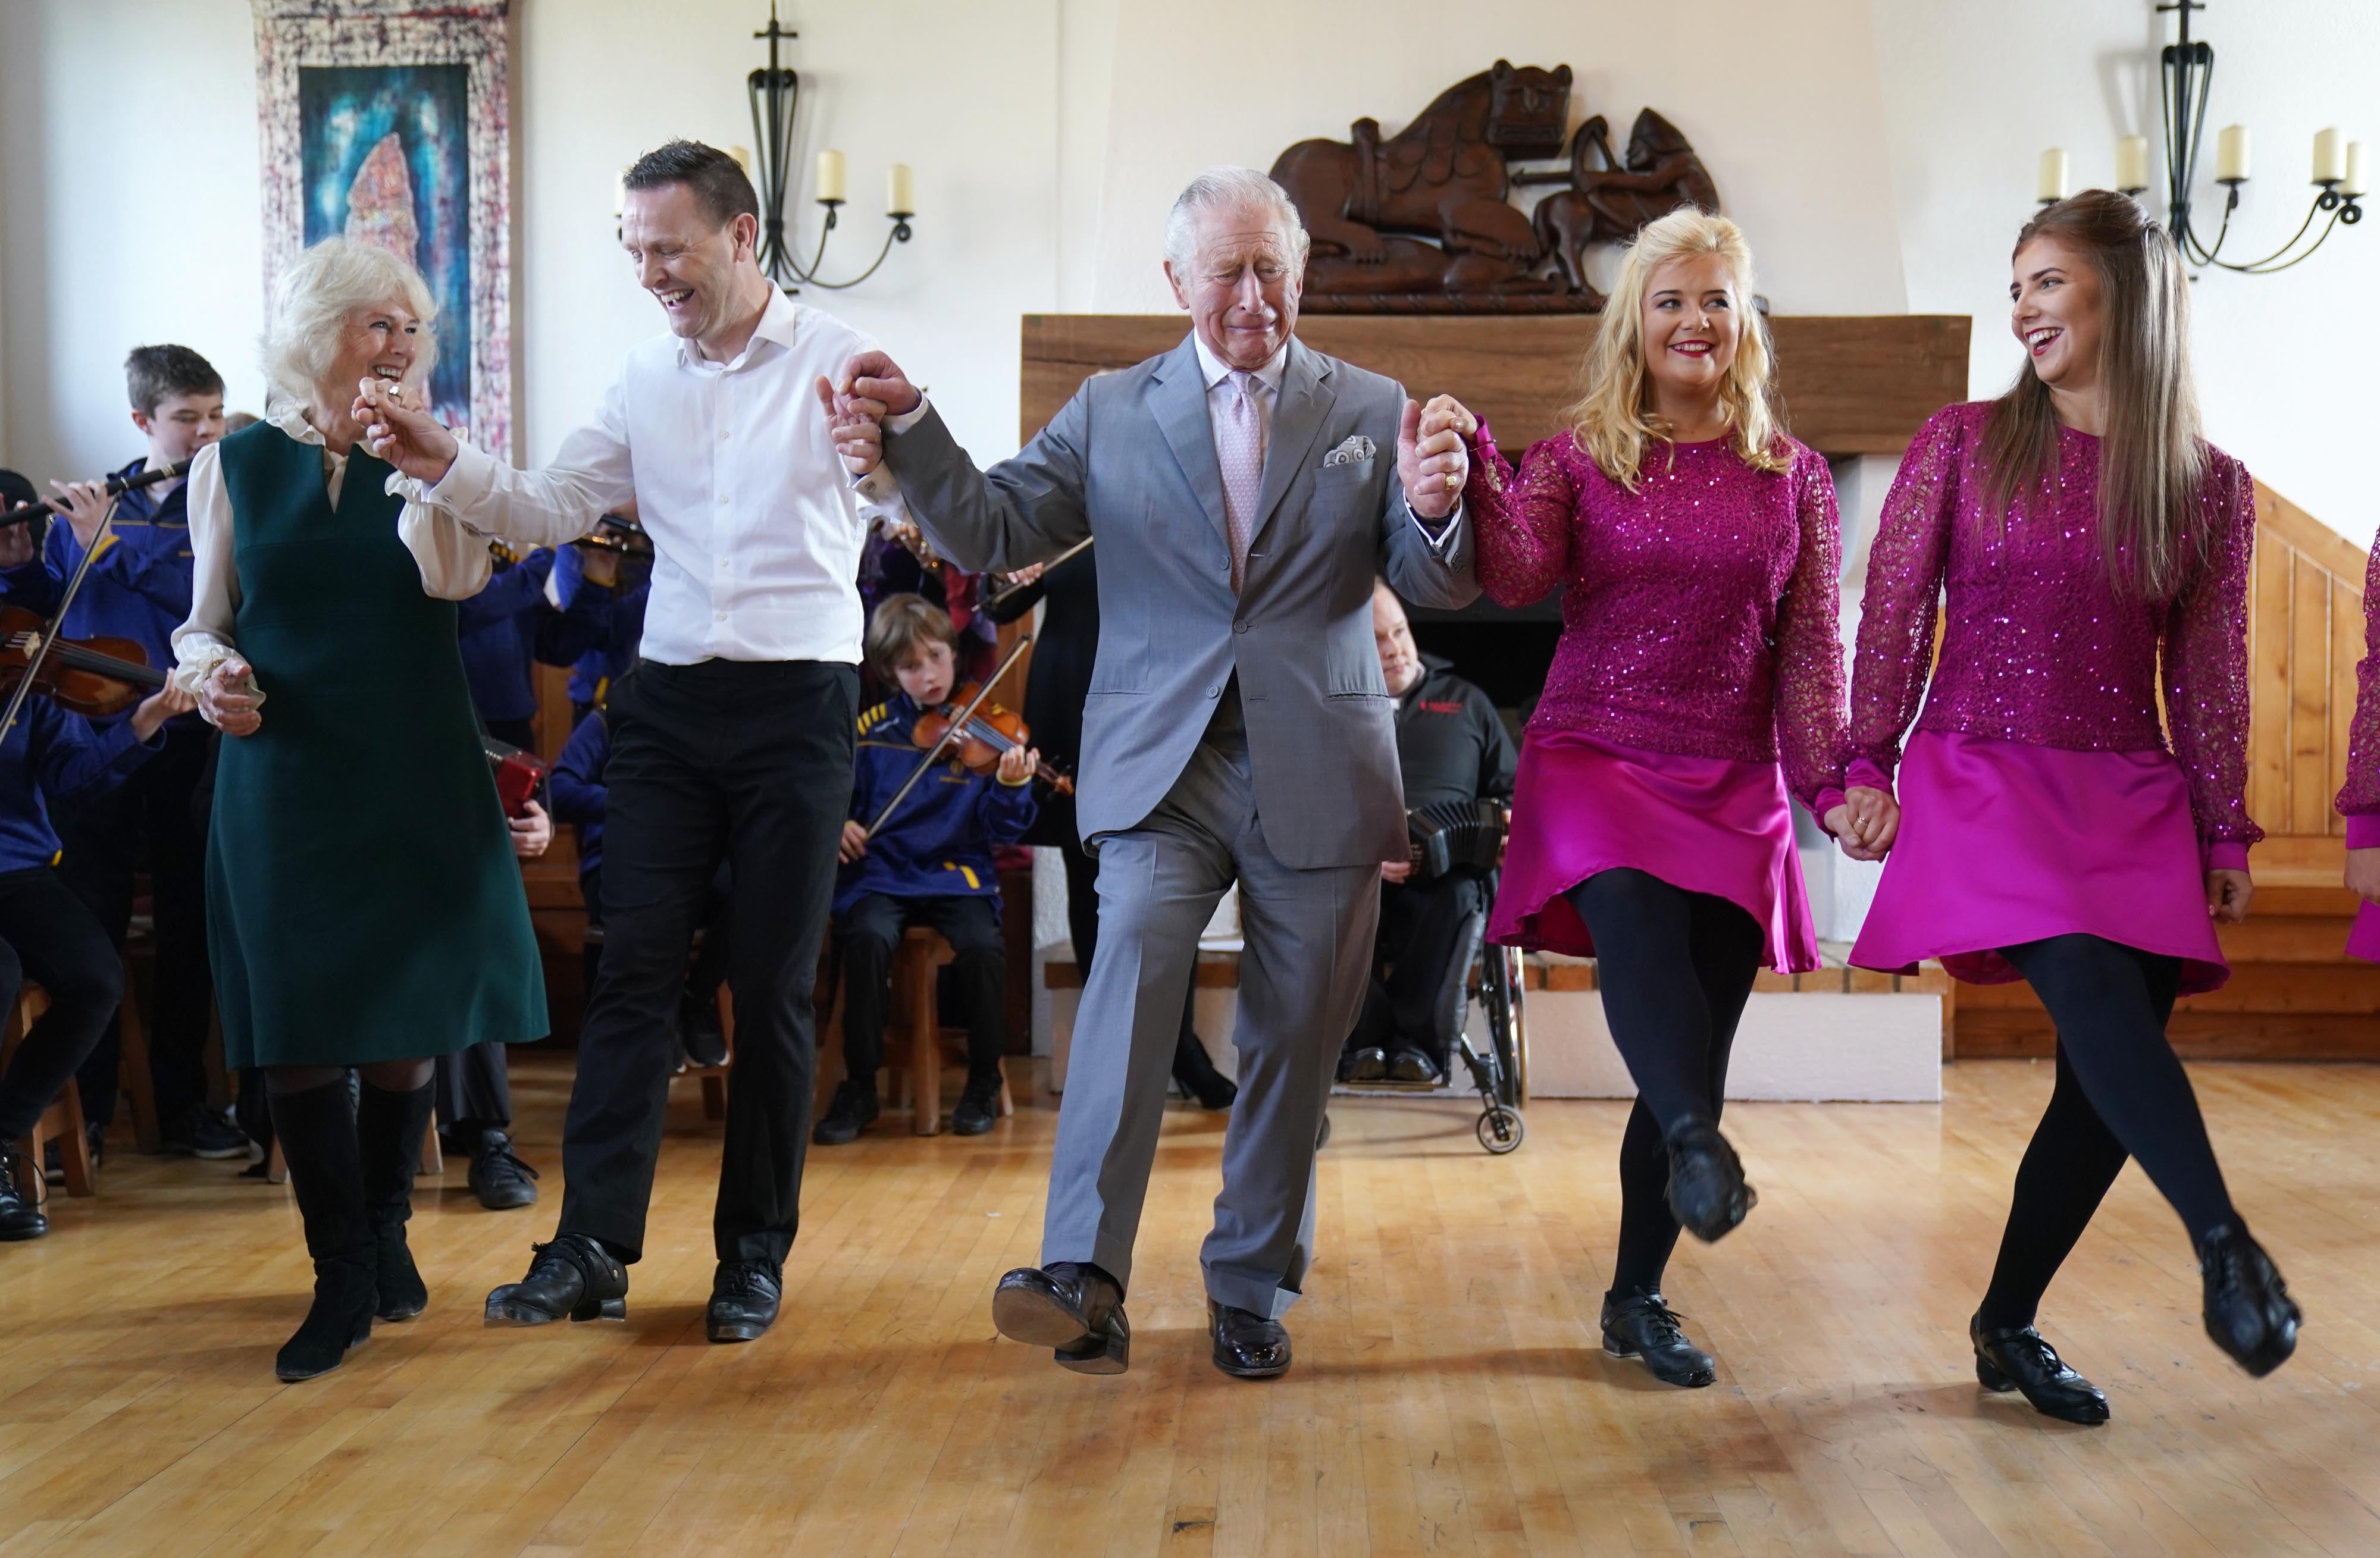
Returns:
<point x="2305" y="637"/>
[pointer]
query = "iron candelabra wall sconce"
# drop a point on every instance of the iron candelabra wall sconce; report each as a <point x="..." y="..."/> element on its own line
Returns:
<point x="775" y="92"/>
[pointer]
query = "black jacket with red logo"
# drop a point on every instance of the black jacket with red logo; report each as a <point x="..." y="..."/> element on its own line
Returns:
<point x="1451" y="744"/>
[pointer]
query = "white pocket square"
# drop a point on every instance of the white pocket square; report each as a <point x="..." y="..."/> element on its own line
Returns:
<point x="1354" y="452"/>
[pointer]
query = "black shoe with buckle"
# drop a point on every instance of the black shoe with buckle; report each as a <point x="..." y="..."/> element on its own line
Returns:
<point x="2015" y="1357"/>
<point x="574" y="1275"/>
<point x="744" y="1296"/>
<point x="1708" y="1192"/>
<point x="978" y="1108"/>
<point x="1073" y="1308"/>
<point x="852" y="1111"/>
<point x="498" y="1177"/>
<point x="202" y="1133"/>
<point x="1247" y="1345"/>
<point x="1364" y="1066"/>
<point x="2248" y="1312"/>
<point x="1413" y="1066"/>
<point x="20" y="1196"/>
<point x="1645" y="1328"/>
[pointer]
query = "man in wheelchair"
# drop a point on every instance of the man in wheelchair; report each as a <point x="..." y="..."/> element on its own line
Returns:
<point x="1454" y="752"/>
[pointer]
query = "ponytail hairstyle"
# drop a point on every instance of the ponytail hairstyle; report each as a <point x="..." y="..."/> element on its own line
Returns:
<point x="1613" y="420"/>
<point x="2153" y="533"/>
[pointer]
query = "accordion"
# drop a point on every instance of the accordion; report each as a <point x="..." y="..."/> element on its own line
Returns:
<point x="518" y="774"/>
<point x="1451" y="836"/>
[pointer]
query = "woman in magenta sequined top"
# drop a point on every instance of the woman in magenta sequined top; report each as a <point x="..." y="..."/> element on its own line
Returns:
<point x="1698" y="553"/>
<point x="2359" y="798"/>
<point x="2081" y="531"/>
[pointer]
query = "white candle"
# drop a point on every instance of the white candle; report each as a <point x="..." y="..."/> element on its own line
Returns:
<point x="2232" y="154"/>
<point x="2329" y="165"/>
<point x="830" y="175"/>
<point x="2053" y="174"/>
<point x="619" y="196"/>
<point x="743" y="155"/>
<point x="2132" y="162"/>
<point x="900" y="191"/>
<point x="2353" y="183"/>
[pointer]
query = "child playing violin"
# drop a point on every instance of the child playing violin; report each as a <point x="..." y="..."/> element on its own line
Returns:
<point x="926" y="863"/>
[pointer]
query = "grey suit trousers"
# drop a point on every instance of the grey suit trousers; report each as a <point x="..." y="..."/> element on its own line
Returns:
<point x="1308" y="938"/>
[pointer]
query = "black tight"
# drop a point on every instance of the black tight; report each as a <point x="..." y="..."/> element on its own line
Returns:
<point x="389" y="1076"/>
<point x="1675" y="969"/>
<point x="2120" y="1093"/>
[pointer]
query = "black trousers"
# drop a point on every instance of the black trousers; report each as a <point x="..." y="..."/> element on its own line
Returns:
<point x="149" y="819"/>
<point x="749" y="763"/>
<point x="871" y="930"/>
<point x="1190" y="1057"/>
<point x="1421" y="955"/>
<point x="1675" y="969"/>
<point x="48" y="933"/>
<point x="475" y="1093"/>
<point x="2120" y="1093"/>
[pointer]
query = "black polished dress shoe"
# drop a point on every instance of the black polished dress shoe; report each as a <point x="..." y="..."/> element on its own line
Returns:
<point x="1364" y="1066"/>
<point x="978" y="1108"/>
<point x="1247" y="1345"/>
<point x="1411" y="1066"/>
<point x="2015" y="1357"/>
<point x="1708" y="1192"/>
<point x="1075" y="1309"/>
<point x="1645" y="1328"/>
<point x="498" y="1177"/>
<point x="574" y="1276"/>
<point x="744" y="1297"/>
<point x="20" y="1196"/>
<point x="852" y="1111"/>
<point x="2248" y="1312"/>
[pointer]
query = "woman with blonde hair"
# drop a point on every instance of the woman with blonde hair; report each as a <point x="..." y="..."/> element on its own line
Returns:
<point x="2087" y="541"/>
<point x="1697" y="682"/>
<point x="363" y="910"/>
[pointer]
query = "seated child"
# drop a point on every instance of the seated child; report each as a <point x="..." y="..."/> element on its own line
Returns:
<point x="929" y="863"/>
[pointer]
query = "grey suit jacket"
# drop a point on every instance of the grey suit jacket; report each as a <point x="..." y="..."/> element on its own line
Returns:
<point x="1131" y="460"/>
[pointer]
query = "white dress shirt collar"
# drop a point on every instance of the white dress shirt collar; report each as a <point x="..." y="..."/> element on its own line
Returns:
<point x="779" y="321"/>
<point x="1214" y="370"/>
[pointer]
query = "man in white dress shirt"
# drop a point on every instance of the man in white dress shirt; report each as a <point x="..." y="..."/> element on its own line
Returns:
<point x="731" y="738"/>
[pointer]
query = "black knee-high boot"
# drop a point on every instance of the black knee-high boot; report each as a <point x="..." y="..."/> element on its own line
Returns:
<point x="389" y="1128"/>
<point x="317" y="1132"/>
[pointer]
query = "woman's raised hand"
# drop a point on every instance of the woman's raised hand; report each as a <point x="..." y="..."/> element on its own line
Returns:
<point x="228" y="699"/>
<point x="410" y="438"/>
<point x="1867" y="822"/>
<point x="1444" y="414"/>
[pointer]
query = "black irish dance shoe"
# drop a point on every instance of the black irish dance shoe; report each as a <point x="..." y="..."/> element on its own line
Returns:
<point x="574" y="1276"/>
<point x="1645" y="1328"/>
<point x="744" y="1296"/>
<point x="1077" y="1310"/>
<point x="1708" y="1192"/>
<point x="2015" y="1357"/>
<point x="2248" y="1312"/>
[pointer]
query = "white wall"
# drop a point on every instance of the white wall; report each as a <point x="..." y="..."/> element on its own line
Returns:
<point x="1881" y="155"/>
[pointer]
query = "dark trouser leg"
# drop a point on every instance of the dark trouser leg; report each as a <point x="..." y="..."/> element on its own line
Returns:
<point x="664" y="830"/>
<point x="55" y="940"/>
<point x="871" y="928"/>
<point x="1431" y="957"/>
<point x="184" y="987"/>
<point x="972" y="927"/>
<point x="707" y="971"/>
<point x="2110" y="1003"/>
<point x="1725" y="945"/>
<point x="475" y="1092"/>
<point x="2073" y="1160"/>
<point x="100" y="849"/>
<point x="1193" y="1068"/>
<point x="786" y="769"/>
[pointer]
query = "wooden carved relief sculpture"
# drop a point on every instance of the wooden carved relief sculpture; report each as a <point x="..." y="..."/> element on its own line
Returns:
<point x="1420" y="221"/>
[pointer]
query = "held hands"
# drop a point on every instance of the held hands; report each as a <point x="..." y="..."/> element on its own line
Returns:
<point x="1432" y="459"/>
<point x="870" y="388"/>
<point x="2228" y="893"/>
<point x="854" y="842"/>
<point x="414" y="441"/>
<point x="1396" y="870"/>
<point x="85" y="505"/>
<point x="531" y="833"/>
<point x="1867" y="822"/>
<point x="228" y="698"/>
<point x="2363" y="875"/>
<point x="158" y="708"/>
<point x="1017" y="764"/>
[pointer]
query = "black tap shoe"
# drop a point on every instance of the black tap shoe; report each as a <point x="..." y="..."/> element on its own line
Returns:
<point x="573" y="1276"/>
<point x="2015" y="1357"/>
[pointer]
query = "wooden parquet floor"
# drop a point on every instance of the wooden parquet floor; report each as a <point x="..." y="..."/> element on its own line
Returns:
<point x="1449" y="1394"/>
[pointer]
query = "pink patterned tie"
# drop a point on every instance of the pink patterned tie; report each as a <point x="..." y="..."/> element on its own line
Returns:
<point x="1239" y="449"/>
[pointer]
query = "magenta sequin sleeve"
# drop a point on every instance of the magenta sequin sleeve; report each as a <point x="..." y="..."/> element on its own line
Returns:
<point x="2360" y="797"/>
<point x="1521" y="524"/>
<point x="1905" y="563"/>
<point x="1811" y="738"/>
<point x="2207" y="663"/>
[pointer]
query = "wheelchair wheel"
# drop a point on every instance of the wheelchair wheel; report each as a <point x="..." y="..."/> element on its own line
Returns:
<point x="1500" y="1128"/>
<point x="1507" y="1025"/>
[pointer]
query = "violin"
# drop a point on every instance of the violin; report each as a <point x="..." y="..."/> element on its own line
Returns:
<point x="94" y="677"/>
<point x="987" y="735"/>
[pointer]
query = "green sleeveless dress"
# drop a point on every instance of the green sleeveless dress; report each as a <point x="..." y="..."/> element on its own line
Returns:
<point x="362" y="899"/>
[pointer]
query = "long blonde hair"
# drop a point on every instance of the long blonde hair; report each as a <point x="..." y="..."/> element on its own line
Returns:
<point x="1613" y="419"/>
<point x="2152" y="531"/>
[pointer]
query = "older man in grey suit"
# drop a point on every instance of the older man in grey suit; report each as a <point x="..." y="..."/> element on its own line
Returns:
<point x="1243" y="489"/>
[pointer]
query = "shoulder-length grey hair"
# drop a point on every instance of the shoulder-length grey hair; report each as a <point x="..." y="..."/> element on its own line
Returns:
<point x="1229" y="188"/>
<point x="311" y="301"/>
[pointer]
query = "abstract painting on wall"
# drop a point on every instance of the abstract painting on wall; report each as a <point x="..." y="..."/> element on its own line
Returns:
<point x="386" y="121"/>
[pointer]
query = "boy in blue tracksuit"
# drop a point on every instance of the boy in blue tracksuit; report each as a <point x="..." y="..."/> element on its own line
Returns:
<point x="927" y="864"/>
<point x="139" y="587"/>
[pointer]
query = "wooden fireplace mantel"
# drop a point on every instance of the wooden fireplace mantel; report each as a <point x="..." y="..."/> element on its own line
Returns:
<point x="1852" y="385"/>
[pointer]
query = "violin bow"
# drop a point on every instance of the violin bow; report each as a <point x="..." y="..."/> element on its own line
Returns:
<point x="50" y="630"/>
<point x="957" y="726"/>
<point x="1004" y="591"/>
